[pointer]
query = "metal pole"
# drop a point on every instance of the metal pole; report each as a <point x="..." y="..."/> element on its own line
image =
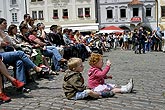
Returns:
<point x="157" y="17"/>
<point x="26" y="6"/>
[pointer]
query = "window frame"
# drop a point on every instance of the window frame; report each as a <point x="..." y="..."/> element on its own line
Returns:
<point x="80" y="12"/>
<point x="87" y="12"/>
<point x="65" y="13"/>
<point x="121" y="13"/>
<point x="163" y="11"/>
<point x="36" y="0"/>
<point x="148" y="15"/>
<point x="14" y="17"/>
<point x="12" y="3"/>
<point x="41" y="15"/>
<point x="111" y="13"/>
<point x="133" y="12"/>
<point x="34" y="15"/>
<point x="55" y="14"/>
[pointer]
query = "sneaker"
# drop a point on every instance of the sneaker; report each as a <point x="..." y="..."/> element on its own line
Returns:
<point x="23" y="90"/>
<point x="129" y="86"/>
<point x="106" y="94"/>
<point x="17" y="83"/>
<point x="4" y="97"/>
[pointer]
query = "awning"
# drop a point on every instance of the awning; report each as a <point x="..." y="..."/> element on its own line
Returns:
<point x="82" y="27"/>
<point x="111" y="29"/>
<point x="136" y="19"/>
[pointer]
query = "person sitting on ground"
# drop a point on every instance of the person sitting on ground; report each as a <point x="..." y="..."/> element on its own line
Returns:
<point x="15" y="82"/>
<point x="97" y="76"/>
<point x="73" y="84"/>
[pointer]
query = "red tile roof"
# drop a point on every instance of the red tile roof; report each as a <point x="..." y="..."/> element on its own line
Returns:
<point x="135" y="2"/>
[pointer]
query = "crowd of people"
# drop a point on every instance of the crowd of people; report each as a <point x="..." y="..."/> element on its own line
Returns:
<point x="64" y="49"/>
<point x="140" y="40"/>
<point x="31" y="47"/>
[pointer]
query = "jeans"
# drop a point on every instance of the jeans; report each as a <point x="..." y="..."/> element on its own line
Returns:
<point x="20" y="60"/>
<point x="80" y="95"/>
<point x="51" y="51"/>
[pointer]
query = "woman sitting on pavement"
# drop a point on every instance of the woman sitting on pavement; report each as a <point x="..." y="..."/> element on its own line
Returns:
<point x="15" y="82"/>
<point x="18" y="59"/>
<point x="47" y="51"/>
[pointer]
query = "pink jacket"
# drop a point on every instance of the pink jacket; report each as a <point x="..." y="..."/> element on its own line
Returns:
<point x="96" y="76"/>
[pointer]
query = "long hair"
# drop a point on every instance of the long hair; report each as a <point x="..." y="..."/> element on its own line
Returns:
<point x="10" y="28"/>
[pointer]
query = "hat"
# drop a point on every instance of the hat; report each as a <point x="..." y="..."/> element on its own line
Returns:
<point x="53" y="27"/>
<point x="39" y="24"/>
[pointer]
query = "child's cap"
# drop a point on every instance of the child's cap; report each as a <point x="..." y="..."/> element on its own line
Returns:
<point x="94" y="58"/>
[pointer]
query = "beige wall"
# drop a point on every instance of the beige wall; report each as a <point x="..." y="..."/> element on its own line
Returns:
<point x="162" y="19"/>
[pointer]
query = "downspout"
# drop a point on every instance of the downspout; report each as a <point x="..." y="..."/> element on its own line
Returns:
<point x="26" y="6"/>
<point x="157" y="17"/>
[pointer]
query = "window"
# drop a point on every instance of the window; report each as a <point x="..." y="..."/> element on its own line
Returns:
<point x="34" y="15"/>
<point x="109" y="14"/>
<point x="35" y="0"/>
<point x="65" y="13"/>
<point x="80" y="12"/>
<point x="148" y="12"/>
<point x="55" y="14"/>
<point x="13" y="2"/>
<point x="87" y="12"/>
<point x="14" y="17"/>
<point x="162" y="11"/>
<point x="40" y="15"/>
<point x="122" y="13"/>
<point x="135" y="12"/>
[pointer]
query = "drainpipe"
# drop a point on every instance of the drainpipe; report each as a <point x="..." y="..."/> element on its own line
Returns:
<point x="26" y="6"/>
<point x="157" y="17"/>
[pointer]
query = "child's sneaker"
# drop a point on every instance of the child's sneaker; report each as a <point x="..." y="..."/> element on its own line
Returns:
<point x="129" y="86"/>
<point x="17" y="83"/>
<point x="106" y="94"/>
<point x="4" y="97"/>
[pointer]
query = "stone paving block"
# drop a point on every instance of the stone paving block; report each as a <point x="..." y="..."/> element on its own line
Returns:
<point x="146" y="70"/>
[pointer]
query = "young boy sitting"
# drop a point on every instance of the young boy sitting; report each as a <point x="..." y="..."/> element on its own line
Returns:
<point x="73" y="84"/>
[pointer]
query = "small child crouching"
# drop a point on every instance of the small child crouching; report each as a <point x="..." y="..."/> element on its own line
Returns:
<point x="73" y="84"/>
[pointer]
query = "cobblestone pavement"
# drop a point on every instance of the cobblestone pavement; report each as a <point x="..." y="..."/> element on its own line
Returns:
<point x="147" y="70"/>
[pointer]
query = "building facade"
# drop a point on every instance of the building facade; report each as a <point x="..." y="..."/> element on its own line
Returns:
<point x="74" y="14"/>
<point x="161" y="14"/>
<point x="127" y="14"/>
<point x="12" y="10"/>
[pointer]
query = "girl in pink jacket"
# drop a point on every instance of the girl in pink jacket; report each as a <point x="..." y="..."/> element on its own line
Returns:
<point x="97" y="75"/>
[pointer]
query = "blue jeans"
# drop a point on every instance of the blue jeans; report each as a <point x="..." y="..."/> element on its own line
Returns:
<point x="52" y="52"/>
<point x="80" y="95"/>
<point x="20" y="60"/>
